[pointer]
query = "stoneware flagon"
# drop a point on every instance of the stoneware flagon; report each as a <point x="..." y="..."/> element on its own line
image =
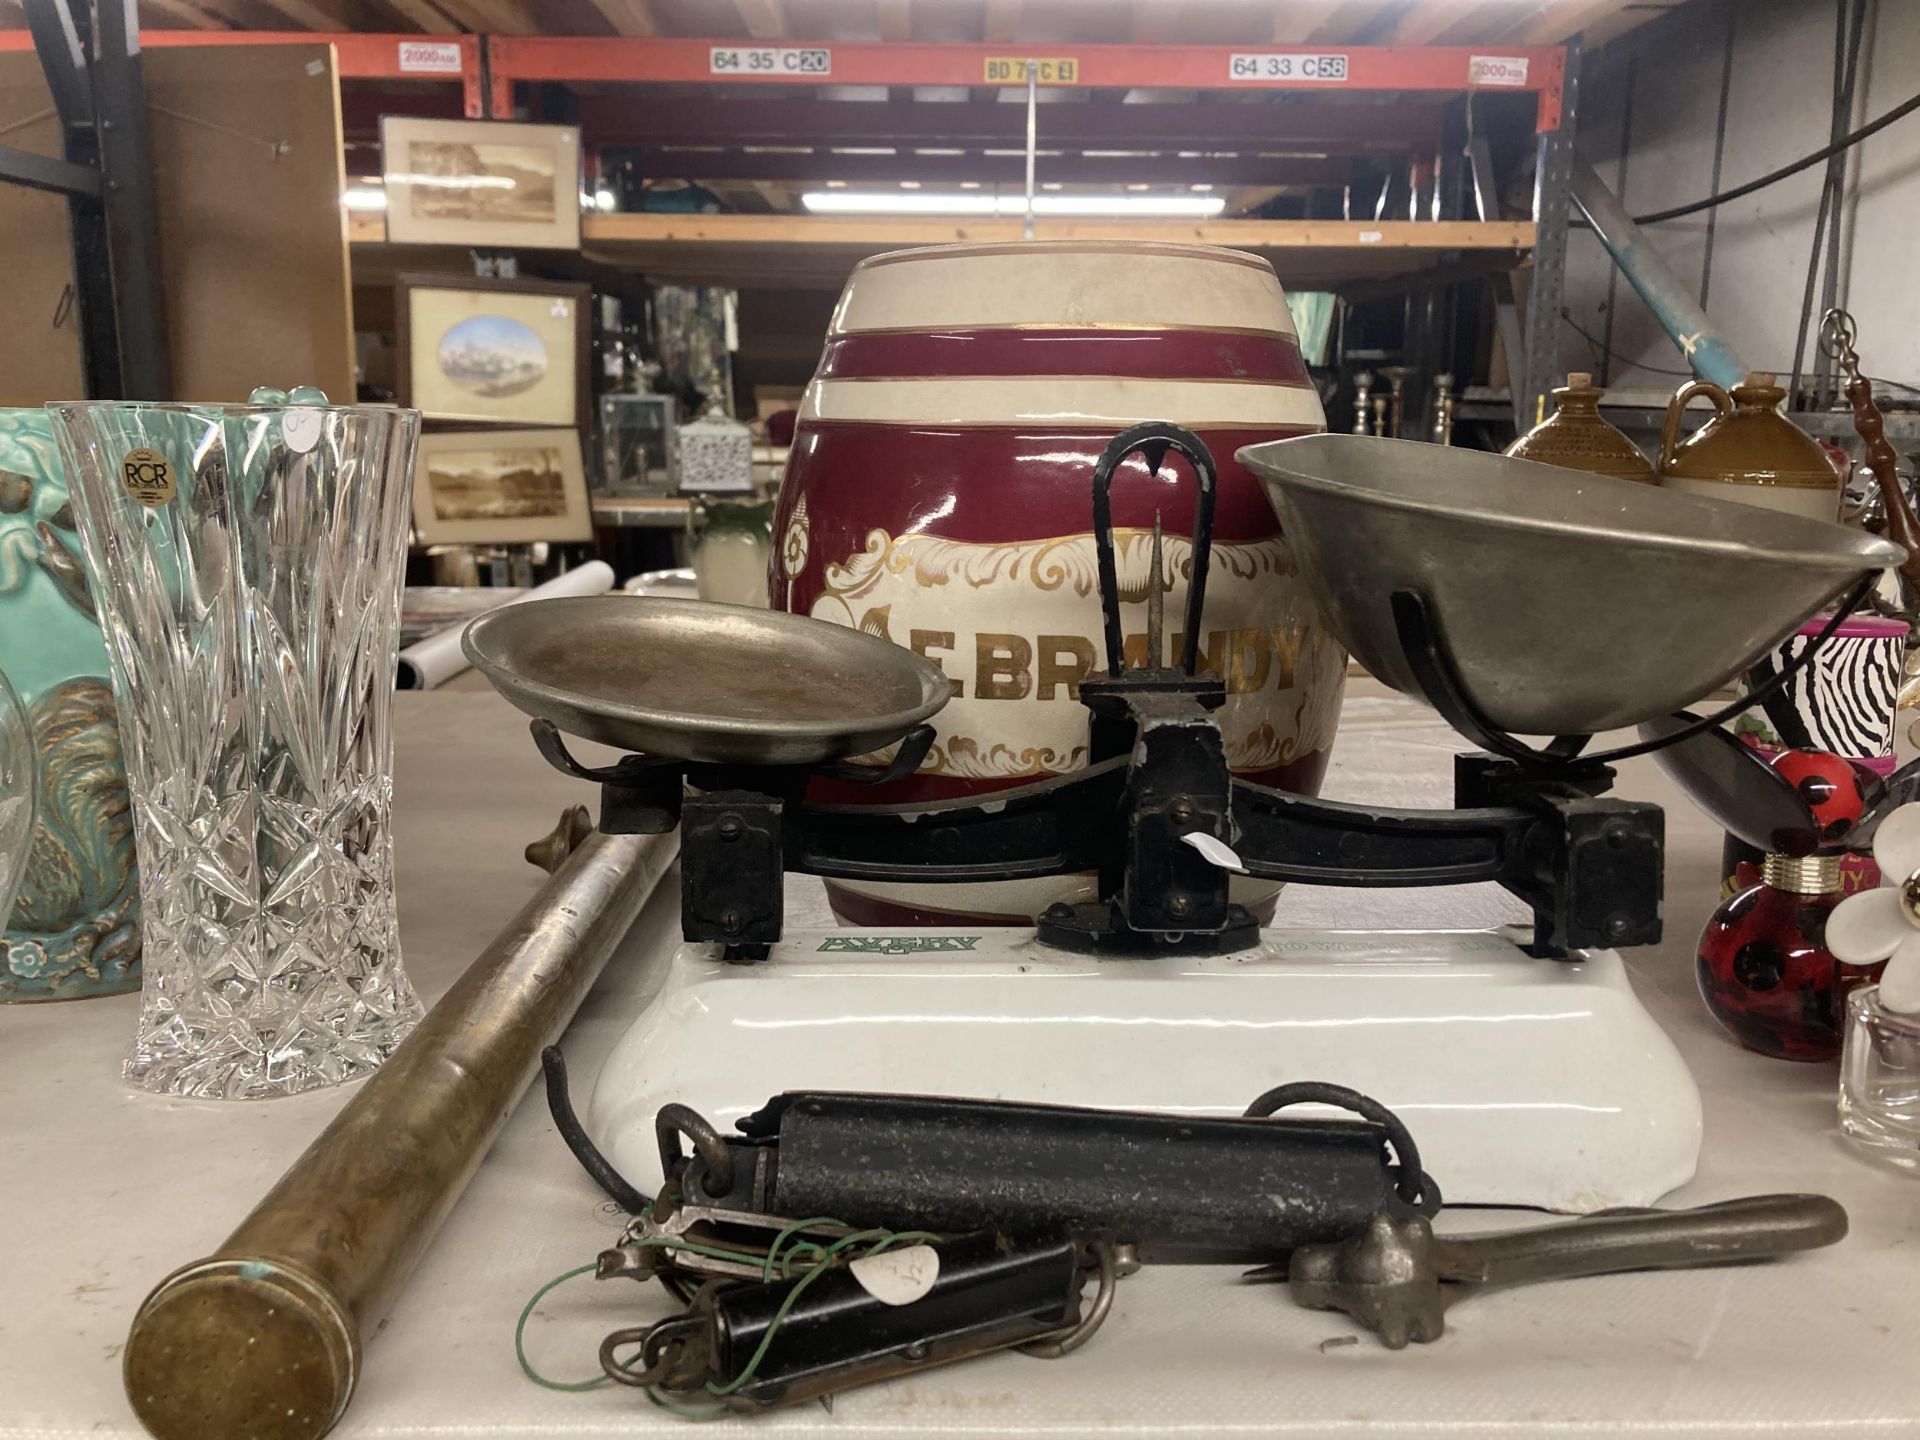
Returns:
<point x="1748" y="451"/>
<point x="75" y="926"/>
<point x="939" y="491"/>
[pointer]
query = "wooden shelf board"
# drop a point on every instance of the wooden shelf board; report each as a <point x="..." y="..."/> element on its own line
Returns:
<point x="817" y="252"/>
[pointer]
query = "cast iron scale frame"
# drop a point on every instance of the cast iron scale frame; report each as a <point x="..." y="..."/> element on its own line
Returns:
<point x="1532" y="820"/>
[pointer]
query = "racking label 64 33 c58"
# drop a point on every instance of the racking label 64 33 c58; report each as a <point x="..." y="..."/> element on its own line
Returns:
<point x="1283" y="65"/>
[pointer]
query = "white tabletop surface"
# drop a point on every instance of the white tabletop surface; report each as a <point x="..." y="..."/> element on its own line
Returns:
<point x="104" y="1190"/>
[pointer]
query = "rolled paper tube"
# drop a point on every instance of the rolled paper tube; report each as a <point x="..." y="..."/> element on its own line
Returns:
<point x="262" y="1339"/>
<point x="438" y="658"/>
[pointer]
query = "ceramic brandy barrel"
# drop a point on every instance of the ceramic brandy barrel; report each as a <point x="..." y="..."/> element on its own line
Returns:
<point x="939" y="494"/>
<point x="75" y="926"/>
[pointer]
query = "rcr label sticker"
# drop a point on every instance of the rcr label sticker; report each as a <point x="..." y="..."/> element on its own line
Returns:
<point x="147" y="476"/>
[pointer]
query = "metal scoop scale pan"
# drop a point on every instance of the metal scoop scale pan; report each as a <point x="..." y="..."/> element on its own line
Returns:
<point x="695" y="680"/>
<point x="1569" y="603"/>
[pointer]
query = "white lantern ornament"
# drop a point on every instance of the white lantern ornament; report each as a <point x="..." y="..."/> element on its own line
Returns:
<point x="1880" y="1063"/>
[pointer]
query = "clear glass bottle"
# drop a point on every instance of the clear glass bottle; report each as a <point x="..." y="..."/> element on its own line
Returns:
<point x="1880" y="1080"/>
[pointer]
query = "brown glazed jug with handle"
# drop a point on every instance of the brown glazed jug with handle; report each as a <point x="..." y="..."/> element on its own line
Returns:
<point x="1575" y="437"/>
<point x="1748" y="452"/>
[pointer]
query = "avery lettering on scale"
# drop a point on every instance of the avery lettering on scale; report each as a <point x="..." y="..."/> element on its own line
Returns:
<point x="939" y="495"/>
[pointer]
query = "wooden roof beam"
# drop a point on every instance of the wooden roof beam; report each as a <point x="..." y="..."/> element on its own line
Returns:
<point x="1001" y="22"/>
<point x="493" y="17"/>
<point x="1430" y="20"/>
<point x="1298" y="21"/>
<point x="764" y="19"/>
<point x="422" y="15"/>
<point x="179" y="11"/>
<point x="1562" y="19"/>
<point x="628" y="17"/>
<point x="896" y="19"/>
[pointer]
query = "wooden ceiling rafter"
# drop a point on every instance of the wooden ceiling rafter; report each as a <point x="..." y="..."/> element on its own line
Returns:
<point x="1431" y="20"/>
<point x="764" y="19"/>
<point x="305" y="14"/>
<point x="1300" y="21"/>
<point x="1000" y="22"/>
<point x="1355" y="22"/>
<point x="895" y="19"/>
<point x="494" y="17"/>
<point x="192" y="16"/>
<point x="1055" y="23"/>
<point x="1155" y="22"/>
<point x="423" y="15"/>
<point x="629" y="17"/>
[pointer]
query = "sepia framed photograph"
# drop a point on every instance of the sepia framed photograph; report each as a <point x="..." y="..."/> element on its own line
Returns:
<point x="500" y="487"/>
<point x="507" y="352"/>
<point x="481" y="182"/>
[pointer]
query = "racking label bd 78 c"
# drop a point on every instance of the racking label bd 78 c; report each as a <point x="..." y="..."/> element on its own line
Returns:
<point x="1012" y="70"/>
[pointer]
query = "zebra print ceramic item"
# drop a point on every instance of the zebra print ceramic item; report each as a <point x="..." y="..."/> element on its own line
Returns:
<point x="1843" y="703"/>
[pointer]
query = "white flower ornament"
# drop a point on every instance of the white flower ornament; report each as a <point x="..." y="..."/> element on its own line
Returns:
<point x="1884" y="924"/>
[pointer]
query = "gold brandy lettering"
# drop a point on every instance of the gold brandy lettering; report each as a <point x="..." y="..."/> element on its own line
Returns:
<point x="1252" y="658"/>
<point x="1064" y="660"/>
<point x="1002" y="667"/>
<point x="923" y="641"/>
<point x="1286" y="651"/>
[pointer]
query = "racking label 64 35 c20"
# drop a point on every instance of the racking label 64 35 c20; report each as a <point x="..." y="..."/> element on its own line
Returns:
<point x="1288" y="65"/>
<point x="770" y="60"/>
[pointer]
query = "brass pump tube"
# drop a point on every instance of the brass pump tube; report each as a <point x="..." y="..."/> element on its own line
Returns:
<point x="262" y="1339"/>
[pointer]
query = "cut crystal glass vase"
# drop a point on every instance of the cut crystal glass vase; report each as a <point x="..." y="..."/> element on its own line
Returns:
<point x="247" y="564"/>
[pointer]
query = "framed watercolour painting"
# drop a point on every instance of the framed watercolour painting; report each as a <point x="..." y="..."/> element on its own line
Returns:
<point x="500" y="487"/>
<point x="510" y="352"/>
<point x="481" y="182"/>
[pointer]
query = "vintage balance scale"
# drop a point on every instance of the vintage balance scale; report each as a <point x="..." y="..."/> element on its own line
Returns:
<point x="1514" y="598"/>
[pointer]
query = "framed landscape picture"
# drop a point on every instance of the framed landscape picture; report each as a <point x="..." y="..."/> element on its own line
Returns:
<point x="509" y="352"/>
<point x="500" y="487"/>
<point x="481" y="182"/>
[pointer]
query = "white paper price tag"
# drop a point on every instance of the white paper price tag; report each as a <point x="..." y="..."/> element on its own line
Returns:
<point x="300" y="429"/>
<point x="1270" y="66"/>
<point x="1215" y="851"/>
<point x="769" y="60"/>
<point x="898" y="1277"/>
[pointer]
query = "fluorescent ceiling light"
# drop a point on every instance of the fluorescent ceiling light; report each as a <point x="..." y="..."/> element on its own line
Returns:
<point x="870" y="202"/>
<point x="364" y="198"/>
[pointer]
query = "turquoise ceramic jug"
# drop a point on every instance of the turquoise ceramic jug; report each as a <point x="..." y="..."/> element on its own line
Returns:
<point x="75" y="927"/>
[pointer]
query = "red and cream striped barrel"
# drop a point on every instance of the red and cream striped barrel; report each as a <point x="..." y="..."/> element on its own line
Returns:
<point x="939" y="494"/>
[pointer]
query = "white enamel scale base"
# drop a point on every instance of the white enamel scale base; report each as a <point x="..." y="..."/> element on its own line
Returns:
<point x="1526" y="1082"/>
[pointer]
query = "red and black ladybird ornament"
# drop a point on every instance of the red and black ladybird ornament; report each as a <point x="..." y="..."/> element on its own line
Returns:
<point x="1763" y="965"/>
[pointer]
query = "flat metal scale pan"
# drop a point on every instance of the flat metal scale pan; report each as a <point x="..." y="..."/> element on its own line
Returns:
<point x="693" y="680"/>
<point x="1570" y="603"/>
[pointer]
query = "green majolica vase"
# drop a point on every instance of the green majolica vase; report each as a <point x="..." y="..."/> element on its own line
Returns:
<point x="75" y="926"/>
